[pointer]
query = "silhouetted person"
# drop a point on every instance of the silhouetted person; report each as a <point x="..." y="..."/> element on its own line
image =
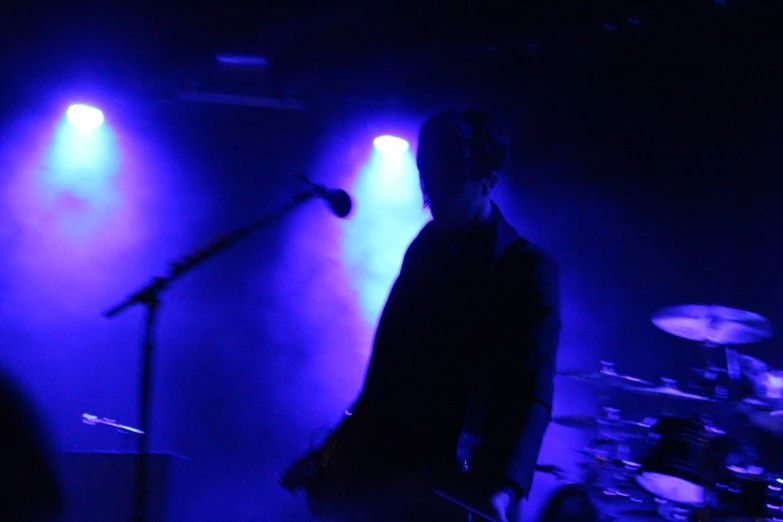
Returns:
<point x="467" y="341"/>
<point x="29" y="489"/>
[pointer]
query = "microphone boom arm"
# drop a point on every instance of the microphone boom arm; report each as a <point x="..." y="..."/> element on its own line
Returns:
<point x="202" y="253"/>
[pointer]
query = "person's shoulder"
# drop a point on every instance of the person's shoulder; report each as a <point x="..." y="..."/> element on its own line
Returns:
<point x="419" y="245"/>
<point x="515" y="250"/>
<point x="526" y="256"/>
<point x="426" y="232"/>
<point x="527" y="267"/>
<point x="424" y="237"/>
<point x="526" y="248"/>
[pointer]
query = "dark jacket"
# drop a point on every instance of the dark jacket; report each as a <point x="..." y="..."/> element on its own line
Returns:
<point x="467" y="341"/>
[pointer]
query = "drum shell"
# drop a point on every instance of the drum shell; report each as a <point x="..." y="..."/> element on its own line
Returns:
<point x="685" y="458"/>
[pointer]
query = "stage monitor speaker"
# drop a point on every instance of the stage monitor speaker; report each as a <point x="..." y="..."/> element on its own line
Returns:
<point x="98" y="486"/>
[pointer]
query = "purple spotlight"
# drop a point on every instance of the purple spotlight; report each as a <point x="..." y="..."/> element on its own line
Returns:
<point x="390" y="144"/>
<point x="84" y="117"/>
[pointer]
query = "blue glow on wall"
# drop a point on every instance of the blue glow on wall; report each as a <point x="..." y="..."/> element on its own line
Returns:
<point x="80" y="166"/>
<point x="389" y="213"/>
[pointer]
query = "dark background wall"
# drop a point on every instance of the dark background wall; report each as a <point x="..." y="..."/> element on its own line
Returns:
<point x="645" y="159"/>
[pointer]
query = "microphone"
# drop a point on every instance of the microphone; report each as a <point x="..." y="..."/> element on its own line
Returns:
<point x="339" y="200"/>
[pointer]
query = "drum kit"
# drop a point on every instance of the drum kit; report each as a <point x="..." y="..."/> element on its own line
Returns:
<point x="696" y="466"/>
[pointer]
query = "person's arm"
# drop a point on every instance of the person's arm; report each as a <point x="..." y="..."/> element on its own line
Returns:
<point x="521" y="375"/>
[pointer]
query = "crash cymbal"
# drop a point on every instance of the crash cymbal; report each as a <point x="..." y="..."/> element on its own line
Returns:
<point x="608" y="377"/>
<point x="674" y="393"/>
<point x="713" y="324"/>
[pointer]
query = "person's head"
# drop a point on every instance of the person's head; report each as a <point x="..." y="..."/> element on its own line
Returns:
<point x="459" y="156"/>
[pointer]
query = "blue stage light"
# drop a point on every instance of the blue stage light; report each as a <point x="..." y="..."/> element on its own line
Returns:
<point x="390" y="144"/>
<point x="84" y="116"/>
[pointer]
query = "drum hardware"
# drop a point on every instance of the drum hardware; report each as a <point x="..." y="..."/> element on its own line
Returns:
<point x="768" y="386"/>
<point x="586" y="422"/>
<point x="764" y="405"/>
<point x="622" y="499"/>
<point x="672" y="511"/>
<point x="755" y="495"/>
<point x="716" y="326"/>
<point x="607" y="376"/>
<point x="685" y="455"/>
<point x="602" y="441"/>
<point x="671" y="467"/>
<point x="762" y="416"/>
<point x="604" y="457"/>
<point x="670" y="390"/>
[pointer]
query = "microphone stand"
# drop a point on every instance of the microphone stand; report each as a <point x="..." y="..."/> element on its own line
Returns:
<point x="149" y="297"/>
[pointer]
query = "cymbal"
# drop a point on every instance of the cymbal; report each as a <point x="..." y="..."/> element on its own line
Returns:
<point x="608" y="377"/>
<point x="666" y="391"/>
<point x="751" y="365"/>
<point x="713" y="323"/>
<point x="763" y="415"/>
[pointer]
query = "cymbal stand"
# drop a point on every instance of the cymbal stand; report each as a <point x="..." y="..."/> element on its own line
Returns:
<point x="734" y="371"/>
<point x="728" y="390"/>
<point x="713" y="367"/>
<point x="149" y="297"/>
<point x="744" y="438"/>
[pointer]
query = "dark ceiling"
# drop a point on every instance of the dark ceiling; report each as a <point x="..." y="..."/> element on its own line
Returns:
<point x="173" y="44"/>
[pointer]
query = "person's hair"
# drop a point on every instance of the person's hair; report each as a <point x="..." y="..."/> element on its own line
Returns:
<point x="485" y="143"/>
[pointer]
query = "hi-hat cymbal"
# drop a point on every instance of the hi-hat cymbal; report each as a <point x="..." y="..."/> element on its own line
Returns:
<point x="608" y="377"/>
<point x="713" y="323"/>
